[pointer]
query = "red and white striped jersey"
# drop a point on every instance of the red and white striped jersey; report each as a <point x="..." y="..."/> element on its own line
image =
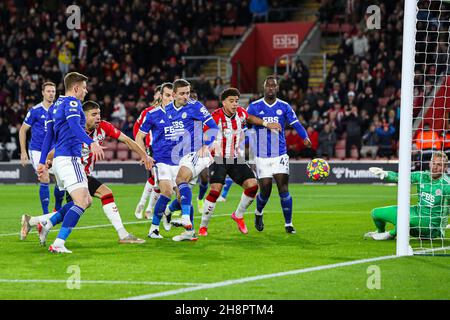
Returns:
<point x="138" y="123"/>
<point x="104" y="130"/>
<point x="231" y="134"/>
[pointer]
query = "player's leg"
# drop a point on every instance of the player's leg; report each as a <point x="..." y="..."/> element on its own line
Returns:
<point x="44" y="189"/>
<point x="70" y="174"/>
<point x="243" y="176"/>
<point x="154" y="196"/>
<point x="202" y="188"/>
<point x="226" y="189"/>
<point x="59" y="197"/>
<point x="105" y="194"/>
<point x="144" y="196"/>
<point x="190" y="167"/>
<point x="166" y="189"/>
<point x="185" y="175"/>
<point x="218" y="174"/>
<point x="264" y="173"/>
<point x="382" y="216"/>
<point x="282" y="181"/>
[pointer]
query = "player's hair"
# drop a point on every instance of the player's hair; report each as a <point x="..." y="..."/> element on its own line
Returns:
<point x="229" y="93"/>
<point x="167" y="85"/>
<point x="47" y="84"/>
<point x="90" y="105"/>
<point x="72" y="78"/>
<point x="440" y="154"/>
<point x="180" y="83"/>
<point x="158" y="88"/>
<point x="271" y="77"/>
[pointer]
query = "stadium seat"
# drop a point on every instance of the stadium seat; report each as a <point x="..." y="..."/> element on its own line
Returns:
<point x="122" y="155"/>
<point x="122" y="146"/>
<point x="109" y="155"/>
<point x="135" y="156"/>
<point x="233" y="31"/>
<point x="110" y="145"/>
<point x="211" y="105"/>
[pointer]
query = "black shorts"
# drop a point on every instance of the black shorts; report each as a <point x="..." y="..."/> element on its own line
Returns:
<point x="93" y="185"/>
<point x="238" y="172"/>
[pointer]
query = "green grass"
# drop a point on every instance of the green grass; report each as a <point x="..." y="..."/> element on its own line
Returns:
<point x="330" y="222"/>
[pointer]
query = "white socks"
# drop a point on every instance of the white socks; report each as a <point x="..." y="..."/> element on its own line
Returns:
<point x="208" y="210"/>
<point x="113" y="215"/>
<point x="245" y="202"/>
<point x="40" y="219"/>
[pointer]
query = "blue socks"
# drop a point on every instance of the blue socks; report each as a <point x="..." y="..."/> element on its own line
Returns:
<point x="186" y="198"/>
<point x="70" y="221"/>
<point x="286" y="205"/>
<point x="226" y="187"/>
<point x="59" y="197"/>
<point x="174" y="206"/>
<point x="60" y="214"/>
<point x="261" y="203"/>
<point x="160" y="207"/>
<point x="202" y="190"/>
<point x="44" y="195"/>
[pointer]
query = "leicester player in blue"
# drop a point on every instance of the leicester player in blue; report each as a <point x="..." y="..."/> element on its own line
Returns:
<point x="164" y="141"/>
<point x="65" y="130"/>
<point x="35" y="120"/>
<point x="271" y="157"/>
<point x="193" y="149"/>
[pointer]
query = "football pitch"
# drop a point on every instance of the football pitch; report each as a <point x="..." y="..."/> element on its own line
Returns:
<point x="327" y="258"/>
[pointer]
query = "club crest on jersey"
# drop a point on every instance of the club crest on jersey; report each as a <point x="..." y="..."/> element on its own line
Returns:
<point x="184" y="115"/>
<point x="279" y="112"/>
<point x="439" y="192"/>
<point x="227" y="133"/>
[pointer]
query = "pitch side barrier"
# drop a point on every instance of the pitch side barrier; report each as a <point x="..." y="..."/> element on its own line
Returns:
<point x="131" y="172"/>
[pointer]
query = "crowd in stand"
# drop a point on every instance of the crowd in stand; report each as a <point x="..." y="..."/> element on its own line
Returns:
<point x="360" y="101"/>
<point x="129" y="48"/>
<point x="125" y="49"/>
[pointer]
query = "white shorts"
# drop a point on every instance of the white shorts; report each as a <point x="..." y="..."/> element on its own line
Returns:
<point x="267" y="167"/>
<point x="195" y="163"/>
<point x="166" y="172"/>
<point x="69" y="173"/>
<point x="35" y="157"/>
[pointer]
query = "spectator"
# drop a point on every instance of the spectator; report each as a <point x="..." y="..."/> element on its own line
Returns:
<point x="370" y="143"/>
<point x="311" y="152"/>
<point x="352" y="122"/>
<point x="327" y="142"/>
<point x="294" y="143"/>
<point x="119" y="113"/>
<point x="218" y="87"/>
<point x="360" y="44"/>
<point x="385" y="134"/>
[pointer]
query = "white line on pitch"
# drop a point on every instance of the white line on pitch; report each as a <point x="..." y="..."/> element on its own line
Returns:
<point x="147" y="283"/>
<point x="255" y="278"/>
<point x="196" y="217"/>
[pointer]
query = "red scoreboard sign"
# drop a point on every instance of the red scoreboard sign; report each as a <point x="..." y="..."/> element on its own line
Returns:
<point x="285" y="41"/>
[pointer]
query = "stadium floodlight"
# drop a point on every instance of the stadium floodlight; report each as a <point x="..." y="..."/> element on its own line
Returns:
<point x="423" y="125"/>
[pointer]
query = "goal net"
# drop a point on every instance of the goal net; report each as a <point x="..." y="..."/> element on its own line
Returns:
<point x="430" y="132"/>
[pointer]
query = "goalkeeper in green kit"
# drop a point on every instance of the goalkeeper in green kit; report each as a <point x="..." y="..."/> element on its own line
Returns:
<point x="428" y="219"/>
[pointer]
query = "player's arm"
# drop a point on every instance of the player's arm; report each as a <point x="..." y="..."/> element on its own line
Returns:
<point x="73" y="114"/>
<point x="23" y="143"/>
<point x="294" y="123"/>
<point x="133" y="146"/>
<point x="391" y="176"/>
<point x="254" y="120"/>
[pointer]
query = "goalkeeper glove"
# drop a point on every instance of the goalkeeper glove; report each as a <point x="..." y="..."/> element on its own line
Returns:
<point x="380" y="173"/>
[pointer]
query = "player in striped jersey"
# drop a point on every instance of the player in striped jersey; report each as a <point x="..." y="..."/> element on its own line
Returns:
<point x="98" y="130"/>
<point x="272" y="161"/>
<point x="228" y="158"/>
<point x="163" y="96"/>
